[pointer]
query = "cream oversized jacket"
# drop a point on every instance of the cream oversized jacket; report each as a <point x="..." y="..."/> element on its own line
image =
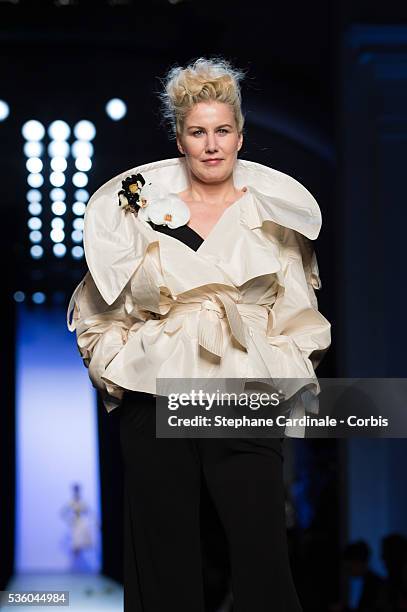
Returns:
<point x="242" y="306"/>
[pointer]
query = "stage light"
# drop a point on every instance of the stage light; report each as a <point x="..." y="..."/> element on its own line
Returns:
<point x="19" y="296"/>
<point x="34" y="164"/>
<point x="35" y="236"/>
<point x="80" y="179"/>
<point x="35" y="180"/>
<point x="57" y="194"/>
<point x="57" y="179"/>
<point x="33" y="130"/>
<point x="57" y="223"/>
<point x="78" y="223"/>
<point x="33" y="195"/>
<point x="33" y="148"/>
<point x="82" y="148"/>
<point x="81" y="195"/>
<point x="84" y="130"/>
<point x="83" y="163"/>
<point x="116" y="109"/>
<point x="34" y="223"/>
<point x="77" y="236"/>
<point x="57" y="235"/>
<point x="38" y="297"/>
<point x="59" y="130"/>
<point x="35" y="208"/>
<point x="59" y="249"/>
<point x="59" y="164"/>
<point x="4" y="110"/>
<point x="58" y="208"/>
<point x="79" y="208"/>
<point x="36" y="251"/>
<point x="77" y="252"/>
<point x="58" y="148"/>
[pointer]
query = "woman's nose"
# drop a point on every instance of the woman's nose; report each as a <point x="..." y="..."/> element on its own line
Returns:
<point x="211" y="144"/>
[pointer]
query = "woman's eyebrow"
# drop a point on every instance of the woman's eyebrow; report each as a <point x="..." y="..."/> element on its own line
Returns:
<point x="190" y="127"/>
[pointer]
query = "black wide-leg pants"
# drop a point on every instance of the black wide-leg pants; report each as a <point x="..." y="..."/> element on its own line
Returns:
<point x="162" y="546"/>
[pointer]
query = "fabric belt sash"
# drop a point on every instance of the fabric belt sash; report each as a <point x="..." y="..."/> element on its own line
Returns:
<point x="210" y="334"/>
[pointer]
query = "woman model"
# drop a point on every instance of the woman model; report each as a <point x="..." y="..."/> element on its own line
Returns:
<point x="76" y="513"/>
<point x="200" y="266"/>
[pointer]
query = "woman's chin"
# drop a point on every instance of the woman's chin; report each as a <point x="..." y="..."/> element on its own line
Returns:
<point x="214" y="175"/>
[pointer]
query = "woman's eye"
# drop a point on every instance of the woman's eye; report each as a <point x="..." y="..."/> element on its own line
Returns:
<point x="199" y="132"/>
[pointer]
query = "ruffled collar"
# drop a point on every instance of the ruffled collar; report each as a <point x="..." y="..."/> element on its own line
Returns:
<point x="115" y="242"/>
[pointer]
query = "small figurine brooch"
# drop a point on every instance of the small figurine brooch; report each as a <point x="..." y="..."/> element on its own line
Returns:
<point x="145" y="201"/>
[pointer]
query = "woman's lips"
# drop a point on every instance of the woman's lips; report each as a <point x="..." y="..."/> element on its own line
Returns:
<point x="212" y="162"/>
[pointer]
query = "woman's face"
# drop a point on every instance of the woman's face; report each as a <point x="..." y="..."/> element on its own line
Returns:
<point x="210" y="141"/>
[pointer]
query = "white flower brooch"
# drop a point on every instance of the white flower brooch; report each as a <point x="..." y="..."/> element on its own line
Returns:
<point x="144" y="200"/>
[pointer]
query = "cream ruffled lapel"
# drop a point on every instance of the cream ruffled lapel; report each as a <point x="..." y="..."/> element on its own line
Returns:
<point x="116" y="242"/>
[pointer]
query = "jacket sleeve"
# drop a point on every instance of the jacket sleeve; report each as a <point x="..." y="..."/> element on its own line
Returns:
<point x="101" y="332"/>
<point x="295" y="324"/>
<point x="297" y="330"/>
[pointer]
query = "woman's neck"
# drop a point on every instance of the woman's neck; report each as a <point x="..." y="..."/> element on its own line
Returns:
<point x="211" y="193"/>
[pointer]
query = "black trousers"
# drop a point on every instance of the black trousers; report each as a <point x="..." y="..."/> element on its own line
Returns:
<point x="162" y="545"/>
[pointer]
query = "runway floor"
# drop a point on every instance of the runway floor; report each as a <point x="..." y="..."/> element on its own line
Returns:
<point x="86" y="591"/>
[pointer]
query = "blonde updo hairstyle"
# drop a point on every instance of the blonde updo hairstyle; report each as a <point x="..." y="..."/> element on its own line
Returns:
<point x="201" y="81"/>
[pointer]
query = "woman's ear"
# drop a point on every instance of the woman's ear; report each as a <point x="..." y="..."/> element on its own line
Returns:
<point x="179" y="145"/>
<point x="240" y="142"/>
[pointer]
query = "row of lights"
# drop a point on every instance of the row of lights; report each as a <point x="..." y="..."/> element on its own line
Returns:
<point x="38" y="297"/>
<point x="59" y="150"/>
<point x="58" y="208"/>
<point x="115" y="108"/>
